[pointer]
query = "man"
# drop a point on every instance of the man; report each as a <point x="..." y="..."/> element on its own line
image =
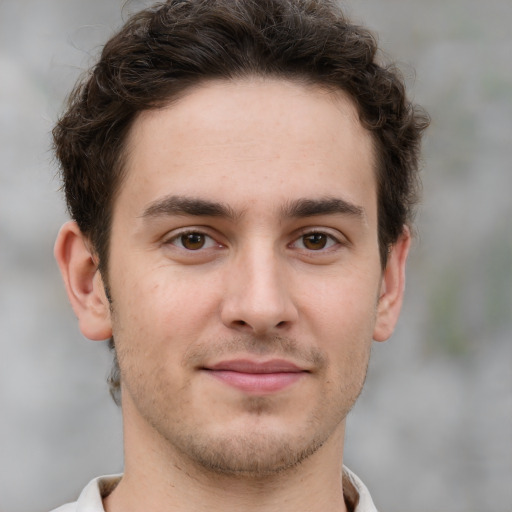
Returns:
<point x="241" y="177"/>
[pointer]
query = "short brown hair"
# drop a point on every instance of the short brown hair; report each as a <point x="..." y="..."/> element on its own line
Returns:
<point x="164" y="50"/>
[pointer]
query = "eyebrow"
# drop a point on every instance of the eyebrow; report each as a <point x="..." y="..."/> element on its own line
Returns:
<point x="301" y="208"/>
<point x="298" y="208"/>
<point x="182" y="205"/>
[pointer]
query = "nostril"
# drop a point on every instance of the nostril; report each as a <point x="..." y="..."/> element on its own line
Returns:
<point x="281" y="324"/>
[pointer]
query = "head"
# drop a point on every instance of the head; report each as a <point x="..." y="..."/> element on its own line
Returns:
<point x="162" y="52"/>
<point x="225" y="55"/>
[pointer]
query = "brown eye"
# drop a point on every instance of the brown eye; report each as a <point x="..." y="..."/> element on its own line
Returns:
<point x="315" y="241"/>
<point x="193" y="241"/>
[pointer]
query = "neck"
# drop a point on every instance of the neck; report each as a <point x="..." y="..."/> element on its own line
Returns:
<point x="160" y="479"/>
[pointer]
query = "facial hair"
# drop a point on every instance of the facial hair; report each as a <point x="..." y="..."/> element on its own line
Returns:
<point x="254" y="449"/>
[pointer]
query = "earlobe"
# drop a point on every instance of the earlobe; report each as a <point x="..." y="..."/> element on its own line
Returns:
<point x="83" y="281"/>
<point x="392" y="288"/>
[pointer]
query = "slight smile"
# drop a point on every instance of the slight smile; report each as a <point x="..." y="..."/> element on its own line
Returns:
<point x="258" y="378"/>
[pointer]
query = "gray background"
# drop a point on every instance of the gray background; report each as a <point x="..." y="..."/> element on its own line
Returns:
<point x="433" y="429"/>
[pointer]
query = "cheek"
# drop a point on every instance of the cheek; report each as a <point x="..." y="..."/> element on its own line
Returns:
<point x="342" y="319"/>
<point x="161" y="306"/>
<point x="344" y="305"/>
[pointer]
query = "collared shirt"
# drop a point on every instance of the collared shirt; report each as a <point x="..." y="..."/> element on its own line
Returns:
<point x="91" y="499"/>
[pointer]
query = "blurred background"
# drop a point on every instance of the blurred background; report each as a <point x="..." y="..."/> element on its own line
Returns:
<point x="433" y="428"/>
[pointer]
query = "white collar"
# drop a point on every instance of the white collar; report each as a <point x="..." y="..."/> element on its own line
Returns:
<point x="90" y="499"/>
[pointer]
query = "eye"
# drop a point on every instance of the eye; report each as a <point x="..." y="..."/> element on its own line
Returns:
<point x="193" y="241"/>
<point x="316" y="241"/>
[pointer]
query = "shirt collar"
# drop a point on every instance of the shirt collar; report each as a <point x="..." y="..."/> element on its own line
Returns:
<point x="355" y="492"/>
<point x="90" y="500"/>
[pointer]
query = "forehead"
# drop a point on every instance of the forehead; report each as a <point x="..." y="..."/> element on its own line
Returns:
<point x="266" y="139"/>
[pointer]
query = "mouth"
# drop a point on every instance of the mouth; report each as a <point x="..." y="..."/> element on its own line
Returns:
<point x="256" y="377"/>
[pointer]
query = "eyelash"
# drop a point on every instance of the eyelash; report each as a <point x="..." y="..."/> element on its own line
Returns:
<point x="179" y="237"/>
<point x="330" y="240"/>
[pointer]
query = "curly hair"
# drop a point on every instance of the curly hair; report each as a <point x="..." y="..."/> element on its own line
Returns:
<point x="162" y="51"/>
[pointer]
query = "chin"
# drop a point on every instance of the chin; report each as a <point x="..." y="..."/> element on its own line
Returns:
<point x="251" y="454"/>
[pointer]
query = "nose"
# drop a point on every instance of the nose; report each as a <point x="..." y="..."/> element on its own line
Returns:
<point x="258" y="295"/>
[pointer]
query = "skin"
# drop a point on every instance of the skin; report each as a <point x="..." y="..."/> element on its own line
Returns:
<point x="245" y="230"/>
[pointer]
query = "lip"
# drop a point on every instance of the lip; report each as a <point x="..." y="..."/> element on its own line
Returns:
<point x="256" y="377"/>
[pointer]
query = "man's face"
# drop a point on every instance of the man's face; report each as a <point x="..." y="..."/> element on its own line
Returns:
<point x="244" y="273"/>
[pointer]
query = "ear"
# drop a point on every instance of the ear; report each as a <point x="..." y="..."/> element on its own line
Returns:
<point x="392" y="288"/>
<point x="83" y="281"/>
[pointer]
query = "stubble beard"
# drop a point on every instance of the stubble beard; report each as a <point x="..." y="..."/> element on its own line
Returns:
<point x="245" y="456"/>
<point x="254" y="453"/>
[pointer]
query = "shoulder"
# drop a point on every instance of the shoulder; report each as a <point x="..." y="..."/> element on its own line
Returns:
<point x="356" y="494"/>
<point x="91" y="498"/>
<point x="68" y="507"/>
